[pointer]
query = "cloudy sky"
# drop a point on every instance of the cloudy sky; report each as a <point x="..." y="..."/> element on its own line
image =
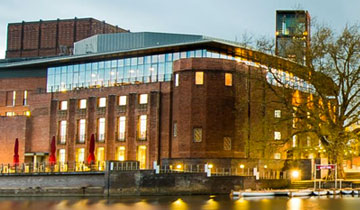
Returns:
<point x="227" y="19"/>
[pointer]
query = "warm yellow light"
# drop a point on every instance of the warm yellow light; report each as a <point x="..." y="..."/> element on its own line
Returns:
<point x="295" y="174"/>
<point x="265" y="166"/>
<point x="27" y="113"/>
<point x="178" y="166"/>
<point x="242" y="166"/>
<point x="210" y="166"/>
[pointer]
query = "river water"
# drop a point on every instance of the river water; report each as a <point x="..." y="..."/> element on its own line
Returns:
<point x="179" y="203"/>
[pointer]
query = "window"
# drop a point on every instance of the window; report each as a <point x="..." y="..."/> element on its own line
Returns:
<point x="122" y="100"/>
<point x="197" y="134"/>
<point x="120" y="153"/>
<point x="277" y="135"/>
<point x="10" y="114"/>
<point x="63" y="105"/>
<point x="102" y="102"/>
<point x="14" y="98"/>
<point x="141" y="156"/>
<point x="176" y="80"/>
<point x="101" y="129"/>
<point x="143" y="99"/>
<point x="277" y="113"/>
<point x="62" y="157"/>
<point x="294" y="121"/>
<point x="308" y="141"/>
<point x="81" y="130"/>
<point x="228" y="79"/>
<point x="142" y="127"/>
<point x="121" y="128"/>
<point x="277" y="156"/>
<point x="80" y="155"/>
<point x="82" y="104"/>
<point x="175" y="129"/>
<point x="62" y="131"/>
<point x="25" y="98"/>
<point x="227" y="143"/>
<point x="294" y="141"/>
<point x="199" y="78"/>
<point x="100" y="157"/>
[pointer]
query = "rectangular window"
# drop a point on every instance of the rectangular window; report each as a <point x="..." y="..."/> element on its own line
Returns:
<point x="100" y="157"/>
<point x="199" y="78"/>
<point x="101" y="129"/>
<point x="277" y="135"/>
<point x="142" y="127"/>
<point x="175" y="129"/>
<point x="277" y="156"/>
<point x="294" y="141"/>
<point x="120" y="153"/>
<point x="102" y="102"/>
<point x="176" y="80"/>
<point x="308" y="141"/>
<point x="228" y="79"/>
<point x="277" y="113"/>
<point x="62" y="156"/>
<point x="294" y="121"/>
<point x="227" y="143"/>
<point x="62" y="131"/>
<point x="141" y="156"/>
<point x="63" y="105"/>
<point x="10" y="114"/>
<point x="122" y="100"/>
<point x="25" y="98"/>
<point x="14" y="98"/>
<point x="121" y="128"/>
<point x="143" y="99"/>
<point x="81" y="130"/>
<point x="82" y="104"/>
<point x="197" y="134"/>
<point x="80" y="155"/>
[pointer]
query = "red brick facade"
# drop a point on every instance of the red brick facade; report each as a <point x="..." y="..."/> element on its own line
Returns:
<point x="53" y="37"/>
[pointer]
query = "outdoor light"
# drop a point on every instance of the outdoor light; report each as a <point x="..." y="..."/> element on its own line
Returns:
<point x="178" y="166"/>
<point x="210" y="166"/>
<point x="265" y="166"/>
<point x="242" y="166"/>
<point x="295" y="174"/>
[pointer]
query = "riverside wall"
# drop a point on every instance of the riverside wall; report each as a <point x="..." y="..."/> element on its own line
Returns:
<point x="121" y="183"/>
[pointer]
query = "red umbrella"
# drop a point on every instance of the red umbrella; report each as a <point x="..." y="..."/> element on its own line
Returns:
<point x="52" y="157"/>
<point x="16" y="153"/>
<point x="91" y="157"/>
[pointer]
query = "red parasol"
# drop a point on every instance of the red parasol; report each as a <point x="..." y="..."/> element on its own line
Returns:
<point x="91" y="157"/>
<point x="52" y="157"/>
<point x="16" y="153"/>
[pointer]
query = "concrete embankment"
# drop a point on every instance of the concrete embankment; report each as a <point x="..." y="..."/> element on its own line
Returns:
<point x="118" y="183"/>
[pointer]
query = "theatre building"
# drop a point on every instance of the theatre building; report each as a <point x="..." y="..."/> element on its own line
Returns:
<point x="146" y="97"/>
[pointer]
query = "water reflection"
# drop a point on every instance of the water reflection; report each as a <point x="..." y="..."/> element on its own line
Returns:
<point x="180" y="203"/>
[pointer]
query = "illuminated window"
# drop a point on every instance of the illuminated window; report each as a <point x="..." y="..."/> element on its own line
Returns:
<point x="101" y="129"/>
<point x="100" y="157"/>
<point x="277" y="156"/>
<point x="102" y="102"/>
<point x="141" y="156"/>
<point x="294" y="121"/>
<point x="80" y="155"/>
<point x="277" y="113"/>
<point x="121" y="128"/>
<point x="199" y="78"/>
<point x="10" y="114"/>
<point x="176" y="80"/>
<point x="120" y="153"/>
<point x="228" y="79"/>
<point x="294" y="140"/>
<point x="81" y="130"/>
<point x="82" y="104"/>
<point x="27" y="113"/>
<point x="63" y="105"/>
<point x="197" y="134"/>
<point x="277" y="135"/>
<point x="122" y="100"/>
<point x="14" y="98"/>
<point x="143" y="99"/>
<point x="308" y="141"/>
<point x="227" y="143"/>
<point x="175" y="129"/>
<point x="62" y="156"/>
<point x="142" y="127"/>
<point x="25" y="98"/>
<point x="62" y="131"/>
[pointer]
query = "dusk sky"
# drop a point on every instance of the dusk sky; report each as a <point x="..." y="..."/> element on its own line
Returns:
<point x="226" y="19"/>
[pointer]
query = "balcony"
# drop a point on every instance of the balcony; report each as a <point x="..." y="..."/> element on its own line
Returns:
<point x="61" y="114"/>
<point x="81" y="113"/>
<point x="142" y="107"/>
<point x="101" y="111"/>
<point x="120" y="109"/>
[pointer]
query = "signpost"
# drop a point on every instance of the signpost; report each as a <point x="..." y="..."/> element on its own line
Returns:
<point x="319" y="167"/>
